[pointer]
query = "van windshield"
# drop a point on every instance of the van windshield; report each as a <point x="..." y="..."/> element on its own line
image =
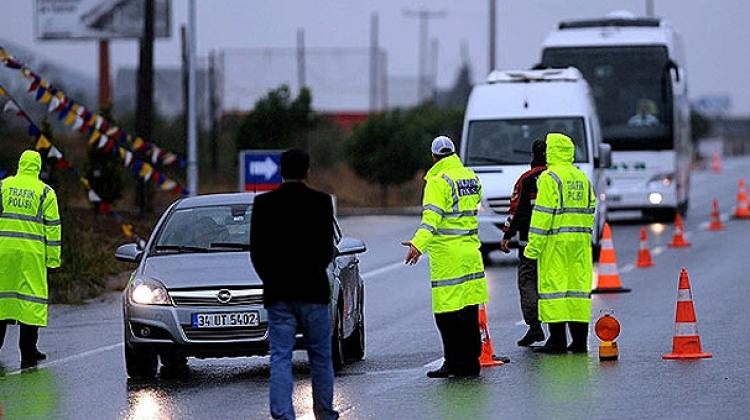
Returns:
<point x="508" y="142"/>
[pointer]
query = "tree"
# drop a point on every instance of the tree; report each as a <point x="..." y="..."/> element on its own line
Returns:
<point x="277" y="121"/>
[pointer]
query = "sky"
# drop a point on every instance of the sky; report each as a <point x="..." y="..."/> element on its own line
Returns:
<point x="714" y="32"/>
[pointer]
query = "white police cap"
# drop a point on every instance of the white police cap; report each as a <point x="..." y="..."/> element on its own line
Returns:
<point x="442" y="146"/>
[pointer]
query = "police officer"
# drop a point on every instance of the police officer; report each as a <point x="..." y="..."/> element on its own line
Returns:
<point x="30" y="244"/>
<point x="449" y="232"/>
<point x="560" y="240"/>
<point x="521" y="203"/>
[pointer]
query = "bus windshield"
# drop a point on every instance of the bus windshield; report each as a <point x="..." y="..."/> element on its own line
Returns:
<point x="632" y="89"/>
<point x="508" y="142"/>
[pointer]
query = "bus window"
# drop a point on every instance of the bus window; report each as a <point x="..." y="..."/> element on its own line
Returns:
<point x="632" y="89"/>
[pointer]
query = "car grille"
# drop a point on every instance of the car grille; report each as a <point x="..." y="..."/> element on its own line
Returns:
<point x="232" y="333"/>
<point x="210" y="297"/>
<point x="499" y="205"/>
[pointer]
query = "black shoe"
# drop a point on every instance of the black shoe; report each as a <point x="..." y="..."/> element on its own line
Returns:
<point x="575" y="348"/>
<point x="32" y="359"/>
<point x="548" y="348"/>
<point x="443" y="372"/>
<point x="533" y="335"/>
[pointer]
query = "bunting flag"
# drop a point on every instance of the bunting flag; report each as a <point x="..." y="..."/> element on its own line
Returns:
<point x="58" y="102"/>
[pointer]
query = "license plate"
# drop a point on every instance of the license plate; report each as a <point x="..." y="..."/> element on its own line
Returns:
<point x="222" y="320"/>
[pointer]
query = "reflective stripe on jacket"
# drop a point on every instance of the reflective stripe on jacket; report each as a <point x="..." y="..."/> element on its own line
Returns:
<point x="30" y="242"/>
<point x="560" y="236"/>
<point x="448" y="231"/>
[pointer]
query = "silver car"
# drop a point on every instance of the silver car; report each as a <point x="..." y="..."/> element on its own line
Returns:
<point x="195" y="293"/>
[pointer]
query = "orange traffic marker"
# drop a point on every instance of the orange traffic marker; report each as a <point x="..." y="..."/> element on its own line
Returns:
<point x="609" y="277"/>
<point x="715" y="217"/>
<point x="487" y="357"/>
<point x="644" y="254"/>
<point x="678" y="240"/>
<point x="607" y="328"/>
<point x="686" y="343"/>
<point x="716" y="162"/>
<point x="742" y="211"/>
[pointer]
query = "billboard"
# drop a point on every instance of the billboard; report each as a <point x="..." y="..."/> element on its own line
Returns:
<point x="98" y="19"/>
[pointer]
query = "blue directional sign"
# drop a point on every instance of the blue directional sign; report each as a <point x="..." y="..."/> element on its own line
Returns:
<point x="259" y="170"/>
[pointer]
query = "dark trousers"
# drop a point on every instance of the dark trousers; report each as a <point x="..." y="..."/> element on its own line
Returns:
<point x="27" y="339"/>
<point x="462" y="344"/>
<point x="579" y="333"/>
<point x="528" y="289"/>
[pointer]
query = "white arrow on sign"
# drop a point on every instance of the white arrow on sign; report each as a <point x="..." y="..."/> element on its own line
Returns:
<point x="267" y="167"/>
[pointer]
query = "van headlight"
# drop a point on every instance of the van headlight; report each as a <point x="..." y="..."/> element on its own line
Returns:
<point x="661" y="181"/>
<point x="149" y="292"/>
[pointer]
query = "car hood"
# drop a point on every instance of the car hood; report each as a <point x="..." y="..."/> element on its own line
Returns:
<point x="211" y="270"/>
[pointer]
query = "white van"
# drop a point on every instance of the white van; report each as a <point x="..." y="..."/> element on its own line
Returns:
<point x="505" y="115"/>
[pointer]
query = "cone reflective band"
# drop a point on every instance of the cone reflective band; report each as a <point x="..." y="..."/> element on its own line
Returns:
<point x="715" y="223"/>
<point x="644" y="254"/>
<point x="686" y="343"/>
<point x="487" y="357"/>
<point x="742" y="211"/>
<point x="678" y="240"/>
<point x="608" y="277"/>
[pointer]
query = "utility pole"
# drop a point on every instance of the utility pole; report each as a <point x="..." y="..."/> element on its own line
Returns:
<point x="104" y="89"/>
<point x="145" y="100"/>
<point x="493" y="36"/>
<point x="374" y="53"/>
<point x="213" y="111"/>
<point x="434" y="48"/>
<point x="424" y="17"/>
<point x="301" y="76"/>
<point x="650" y="8"/>
<point x="184" y="71"/>
<point x="192" y="163"/>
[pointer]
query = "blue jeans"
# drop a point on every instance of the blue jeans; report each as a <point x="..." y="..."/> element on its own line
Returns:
<point x="315" y="323"/>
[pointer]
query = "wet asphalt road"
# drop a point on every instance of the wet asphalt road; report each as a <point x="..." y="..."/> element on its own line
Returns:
<point x="84" y="377"/>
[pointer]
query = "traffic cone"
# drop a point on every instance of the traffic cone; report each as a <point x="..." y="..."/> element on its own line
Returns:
<point x="715" y="217"/>
<point x="678" y="240"/>
<point x="644" y="254"/>
<point x="609" y="277"/>
<point x="742" y="211"/>
<point x="487" y="357"/>
<point x="686" y="343"/>
<point x="716" y="162"/>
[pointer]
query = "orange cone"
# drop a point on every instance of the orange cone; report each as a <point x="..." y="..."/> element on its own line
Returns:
<point x="678" y="240"/>
<point x="742" y="211"/>
<point x="644" y="255"/>
<point x="609" y="277"/>
<point x="487" y="358"/>
<point x="686" y="343"/>
<point x="716" y="162"/>
<point x="715" y="217"/>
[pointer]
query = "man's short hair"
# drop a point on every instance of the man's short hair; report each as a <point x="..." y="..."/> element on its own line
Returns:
<point x="294" y="164"/>
<point x="539" y="149"/>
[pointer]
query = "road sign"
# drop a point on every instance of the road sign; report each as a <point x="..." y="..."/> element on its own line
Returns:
<point x="259" y="170"/>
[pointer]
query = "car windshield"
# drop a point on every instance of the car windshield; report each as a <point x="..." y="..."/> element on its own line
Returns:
<point x="205" y="229"/>
<point x="632" y="90"/>
<point x="508" y="142"/>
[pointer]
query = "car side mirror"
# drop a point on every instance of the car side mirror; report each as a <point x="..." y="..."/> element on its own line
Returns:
<point x="349" y="246"/>
<point x="128" y="253"/>
<point x="605" y="156"/>
<point x="673" y="66"/>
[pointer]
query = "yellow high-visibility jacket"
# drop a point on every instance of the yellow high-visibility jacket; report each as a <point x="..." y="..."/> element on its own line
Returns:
<point x="30" y="242"/>
<point x="448" y="231"/>
<point x="560" y="236"/>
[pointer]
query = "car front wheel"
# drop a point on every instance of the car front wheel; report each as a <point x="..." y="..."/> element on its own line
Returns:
<point x="140" y="363"/>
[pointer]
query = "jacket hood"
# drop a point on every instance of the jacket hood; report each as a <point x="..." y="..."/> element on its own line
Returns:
<point x="560" y="149"/>
<point x="451" y="161"/>
<point x="30" y="163"/>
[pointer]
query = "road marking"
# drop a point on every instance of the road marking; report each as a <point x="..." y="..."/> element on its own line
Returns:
<point x="71" y="358"/>
<point x="435" y="364"/>
<point x="627" y="268"/>
<point x="658" y="250"/>
<point x="390" y="267"/>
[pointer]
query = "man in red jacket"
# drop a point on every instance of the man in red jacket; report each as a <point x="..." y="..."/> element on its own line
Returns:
<point x="521" y="204"/>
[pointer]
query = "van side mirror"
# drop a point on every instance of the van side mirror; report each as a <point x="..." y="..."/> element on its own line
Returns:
<point x="128" y="253"/>
<point x="604" y="160"/>
<point x="673" y="66"/>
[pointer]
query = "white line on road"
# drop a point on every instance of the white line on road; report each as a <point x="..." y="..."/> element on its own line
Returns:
<point x="73" y="357"/>
<point x="434" y="364"/>
<point x="382" y="270"/>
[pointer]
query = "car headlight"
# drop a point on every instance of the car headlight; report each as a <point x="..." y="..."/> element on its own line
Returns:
<point x="149" y="292"/>
<point x="661" y="181"/>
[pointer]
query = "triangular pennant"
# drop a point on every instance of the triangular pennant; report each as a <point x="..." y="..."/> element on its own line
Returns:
<point x="10" y="106"/>
<point x="85" y="183"/>
<point x="40" y="93"/>
<point x="63" y="164"/>
<point x="34" y="130"/>
<point x="42" y="143"/>
<point x="169" y="158"/>
<point x="102" y="140"/>
<point x="94" y="197"/>
<point x="70" y="118"/>
<point x="94" y="137"/>
<point x="146" y="171"/>
<point x="46" y="97"/>
<point x="155" y="151"/>
<point x="53" y="104"/>
<point x="78" y="123"/>
<point x="168" y="185"/>
<point x="54" y="153"/>
<point x="128" y="157"/>
<point x="98" y="123"/>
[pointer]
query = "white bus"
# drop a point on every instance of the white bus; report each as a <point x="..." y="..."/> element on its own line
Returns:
<point x="636" y="69"/>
